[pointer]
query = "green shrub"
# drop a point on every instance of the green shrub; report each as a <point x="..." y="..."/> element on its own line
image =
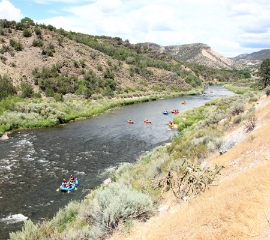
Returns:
<point x="37" y="95"/>
<point x="16" y="45"/>
<point x="27" y="90"/>
<point x="66" y="215"/>
<point x="211" y="141"/>
<point x="58" y="97"/>
<point x="99" y="67"/>
<point x="37" y="31"/>
<point x="267" y="90"/>
<point x="2" y="32"/>
<point x="237" y="119"/>
<point x="37" y="43"/>
<point x="29" y="231"/>
<point x="27" y="33"/>
<point x="250" y="122"/>
<point x="6" y="87"/>
<point x="47" y="51"/>
<point x="237" y="107"/>
<point x="49" y="92"/>
<point x="82" y="62"/>
<point x="76" y="64"/>
<point x="118" y="203"/>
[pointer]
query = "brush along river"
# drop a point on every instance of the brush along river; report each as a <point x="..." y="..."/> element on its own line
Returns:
<point x="33" y="162"/>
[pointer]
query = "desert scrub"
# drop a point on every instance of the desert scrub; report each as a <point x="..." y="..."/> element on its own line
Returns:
<point x="214" y="117"/>
<point x="267" y="90"/>
<point x="8" y="103"/>
<point x="147" y="166"/>
<point x="29" y="231"/>
<point x="187" y="120"/>
<point x="250" y="119"/>
<point x="251" y="97"/>
<point x="30" y="115"/>
<point x="117" y="203"/>
<point x="142" y="174"/>
<point x="237" y="107"/>
<point x="237" y="119"/>
<point x="66" y="216"/>
<point x="211" y="139"/>
<point x="49" y="229"/>
<point x="238" y="89"/>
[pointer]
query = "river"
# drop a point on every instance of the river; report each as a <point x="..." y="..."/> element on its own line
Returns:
<point x="33" y="162"/>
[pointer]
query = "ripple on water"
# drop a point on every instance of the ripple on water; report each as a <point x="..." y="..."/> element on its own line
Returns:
<point x="14" y="218"/>
<point x="23" y="143"/>
<point x="79" y="173"/>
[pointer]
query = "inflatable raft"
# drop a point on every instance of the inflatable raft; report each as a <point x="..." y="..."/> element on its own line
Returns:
<point x="147" y="121"/>
<point x="69" y="189"/>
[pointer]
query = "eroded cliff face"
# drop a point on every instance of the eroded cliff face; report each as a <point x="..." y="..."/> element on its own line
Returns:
<point x="199" y="53"/>
<point x="202" y="54"/>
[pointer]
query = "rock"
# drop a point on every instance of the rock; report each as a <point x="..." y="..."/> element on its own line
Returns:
<point x="185" y="198"/>
<point x="222" y="121"/>
<point x="4" y="137"/>
<point x="107" y="181"/>
<point x="163" y="209"/>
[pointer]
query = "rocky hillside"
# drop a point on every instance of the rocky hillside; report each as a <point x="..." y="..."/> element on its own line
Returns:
<point x="40" y="55"/>
<point x="253" y="59"/>
<point x="54" y="61"/>
<point x="198" y="53"/>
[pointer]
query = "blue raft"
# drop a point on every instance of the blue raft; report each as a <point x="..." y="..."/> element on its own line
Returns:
<point x="65" y="189"/>
<point x="165" y="112"/>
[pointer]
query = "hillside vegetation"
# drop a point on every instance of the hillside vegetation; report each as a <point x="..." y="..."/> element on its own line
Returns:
<point x="136" y="191"/>
<point x="49" y="76"/>
<point x="235" y="207"/>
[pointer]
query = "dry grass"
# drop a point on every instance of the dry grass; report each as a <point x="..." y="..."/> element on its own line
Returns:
<point x="238" y="208"/>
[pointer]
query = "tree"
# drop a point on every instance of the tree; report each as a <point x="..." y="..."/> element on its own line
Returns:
<point x="27" y="90"/>
<point x="264" y="72"/>
<point x="6" y="87"/>
<point x="28" y="21"/>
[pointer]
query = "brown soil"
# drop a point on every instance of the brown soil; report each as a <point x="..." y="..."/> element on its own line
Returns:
<point x="237" y="208"/>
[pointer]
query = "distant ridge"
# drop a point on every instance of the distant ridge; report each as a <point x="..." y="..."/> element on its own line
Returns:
<point x="253" y="59"/>
<point x="199" y="53"/>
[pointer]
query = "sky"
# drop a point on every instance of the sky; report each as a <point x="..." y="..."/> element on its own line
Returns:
<point x="229" y="27"/>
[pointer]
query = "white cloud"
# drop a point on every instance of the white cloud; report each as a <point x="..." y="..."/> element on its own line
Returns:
<point x="9" y="12"/>
<point x="228" y="26"/>
<point x="62" y="1"/>
<point x="109" y="6"/>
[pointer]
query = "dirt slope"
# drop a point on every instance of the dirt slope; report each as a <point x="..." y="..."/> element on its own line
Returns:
<point x="237" y="208"/>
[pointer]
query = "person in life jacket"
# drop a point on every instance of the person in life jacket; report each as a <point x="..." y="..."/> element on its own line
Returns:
<point x="72" y="179"/>
<point x="64" y="183"/>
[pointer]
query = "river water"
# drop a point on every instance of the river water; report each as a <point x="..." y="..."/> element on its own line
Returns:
<point x="33" y="162"/>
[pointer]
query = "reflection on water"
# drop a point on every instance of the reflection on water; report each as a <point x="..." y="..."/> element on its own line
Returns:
<point x="33" y="162"/>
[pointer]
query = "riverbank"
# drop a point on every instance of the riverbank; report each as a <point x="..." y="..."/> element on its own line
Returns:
<point x="145" y="175"/>
<point x="37" y="113"/>
<point x="235" y="208"/>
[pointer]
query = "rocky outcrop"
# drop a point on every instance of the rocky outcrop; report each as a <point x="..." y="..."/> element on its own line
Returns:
<point x="199" y="53"/>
